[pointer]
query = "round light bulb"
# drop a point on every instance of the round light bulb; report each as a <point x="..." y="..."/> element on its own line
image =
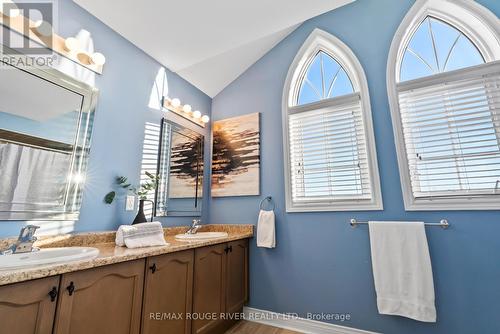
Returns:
<point x="197" y="114"/>
<point x="187" y="108"/>
<point x="205" y="119"/>
<point x="11" y="9"/>
<point x="97" y="59"/>
<point x="175" y="102"/>
<point x="43" y="28"/>
<point x="71" y="44"/>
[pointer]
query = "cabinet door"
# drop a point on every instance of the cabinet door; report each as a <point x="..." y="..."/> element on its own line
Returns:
<point x="209" y="289"/>
<point x="28" y="307"/>
<point x="101" y="300"/>
<point x="237" y="276"/>
<point x="168" y="293"/>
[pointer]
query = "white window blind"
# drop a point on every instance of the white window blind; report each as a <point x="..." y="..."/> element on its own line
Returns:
<point x="451" y="127"/>
<point x="328" y="152"/>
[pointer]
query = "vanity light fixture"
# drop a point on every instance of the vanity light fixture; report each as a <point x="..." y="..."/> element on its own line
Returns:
<point x="43" y="33"/>
<point x="196" y="114"/>
<point x="175" y="102"/>
<point x="43" y="28"/>
<point x="71" y="44"/>
<point x="184" y="111"/>
<point x="97" y="59"/>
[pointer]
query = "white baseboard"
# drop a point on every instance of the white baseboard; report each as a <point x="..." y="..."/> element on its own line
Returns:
<point x="297" y="324"/>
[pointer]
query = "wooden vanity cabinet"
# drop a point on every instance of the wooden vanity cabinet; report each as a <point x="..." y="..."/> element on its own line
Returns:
<point x="106" y="299"/>
<point x="193" y="291"/>
<point x="28" y="307"/>
<point x="220" y="286"/>
<point x="237" y="276"/>
<point x="209" y="289"/>
<point x="168" y="292"/>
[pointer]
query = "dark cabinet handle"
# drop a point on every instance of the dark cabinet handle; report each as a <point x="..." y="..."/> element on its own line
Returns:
<point x="226" y="250"/>
<point x="71" y="288"/>
<point x="53" y="294"/>
<point x="231" y="249"/>
<point x="153" y="268"/>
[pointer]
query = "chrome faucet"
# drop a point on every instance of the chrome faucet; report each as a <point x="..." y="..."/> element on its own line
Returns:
<point x="195" y="226"/>
<point x="25" y="241"/>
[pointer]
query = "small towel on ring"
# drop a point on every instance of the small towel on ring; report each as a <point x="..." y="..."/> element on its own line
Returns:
<point x="266" y="234"/>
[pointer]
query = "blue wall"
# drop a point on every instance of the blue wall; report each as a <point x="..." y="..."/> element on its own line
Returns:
<point x="323" y="265"/>
<point x="119" y="123"/>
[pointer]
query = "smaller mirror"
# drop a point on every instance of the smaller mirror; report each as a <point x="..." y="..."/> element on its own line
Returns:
<point x="180" y="167"/>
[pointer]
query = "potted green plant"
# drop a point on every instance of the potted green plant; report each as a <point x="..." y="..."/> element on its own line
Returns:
<point x="141" y="192"/>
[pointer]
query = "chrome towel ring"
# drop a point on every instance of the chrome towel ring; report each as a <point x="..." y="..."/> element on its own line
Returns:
<point x="269" y="200"/>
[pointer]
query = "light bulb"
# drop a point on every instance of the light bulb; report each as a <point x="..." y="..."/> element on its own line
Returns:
<point x="197" y="114"/>
<point x="186" y="108"/>
<point x="71" y="44"/>
<point x="43" y="28"/>
<point x="205" y="119"/>
<point x="11" y="9"/>
<point x="84" y="58"/>
<point x="175" y="102"/>
<point x="97" y="59"/>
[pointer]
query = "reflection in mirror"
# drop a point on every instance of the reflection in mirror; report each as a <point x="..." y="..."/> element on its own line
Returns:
<point x="180" y="167"/>
<point x="45" y="128"/>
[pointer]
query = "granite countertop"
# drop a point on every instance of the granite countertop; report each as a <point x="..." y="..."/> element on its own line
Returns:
<point x="109" y="253"/>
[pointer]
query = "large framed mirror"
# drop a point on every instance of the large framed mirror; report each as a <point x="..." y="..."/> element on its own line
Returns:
<point x="46" y="120"/>
<point x="180" y="169"/>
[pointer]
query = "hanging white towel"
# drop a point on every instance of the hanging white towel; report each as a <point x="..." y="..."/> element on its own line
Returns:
<point x="402" y="270"/>
<point x="266" y="235"/>
<point x="31" y="175"/>
<point x="140" y="235"/>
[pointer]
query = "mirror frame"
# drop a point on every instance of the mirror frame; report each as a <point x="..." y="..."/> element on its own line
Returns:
<point x="195" y="135"/>
<point x="70" y="210"/>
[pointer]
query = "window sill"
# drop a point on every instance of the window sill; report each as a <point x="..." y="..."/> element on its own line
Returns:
<point x="290" y="208"/>
<point x="453" y="204"/>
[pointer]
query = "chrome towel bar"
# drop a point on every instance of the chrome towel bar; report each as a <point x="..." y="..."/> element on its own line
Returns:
<point x="443" y="223"/>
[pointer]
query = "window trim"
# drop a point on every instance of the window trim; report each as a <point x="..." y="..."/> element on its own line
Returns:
<point x="320" y="40"/>
<point x="482" y="27"/>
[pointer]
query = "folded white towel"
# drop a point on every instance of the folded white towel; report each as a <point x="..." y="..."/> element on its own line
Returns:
<point x="140" y="235"/>
<point x="402" y="270"/>
<point x="266" y="235"/>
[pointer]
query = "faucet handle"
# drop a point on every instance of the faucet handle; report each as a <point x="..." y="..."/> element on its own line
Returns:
<point x="196" y="222"/>
<point x="28" y="233"/>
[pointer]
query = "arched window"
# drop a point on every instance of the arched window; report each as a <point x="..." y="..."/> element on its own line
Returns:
<point x="437" y="47"/>
<point x="444" y="89"/>
<point x="325" y="79"/>
<point x="330" y="158"/>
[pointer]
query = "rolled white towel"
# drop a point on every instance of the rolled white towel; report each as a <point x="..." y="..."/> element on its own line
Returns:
<point x="140" y="235"/>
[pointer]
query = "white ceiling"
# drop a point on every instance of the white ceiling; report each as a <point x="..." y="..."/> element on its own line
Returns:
<point x="209" y="43"/>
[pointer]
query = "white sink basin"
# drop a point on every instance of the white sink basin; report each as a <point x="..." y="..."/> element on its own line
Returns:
<point x="47" y="256"/>
<point x="201" y="236"/>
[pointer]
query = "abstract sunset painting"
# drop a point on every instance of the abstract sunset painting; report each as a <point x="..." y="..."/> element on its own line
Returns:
<point x="236" y="156"/>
